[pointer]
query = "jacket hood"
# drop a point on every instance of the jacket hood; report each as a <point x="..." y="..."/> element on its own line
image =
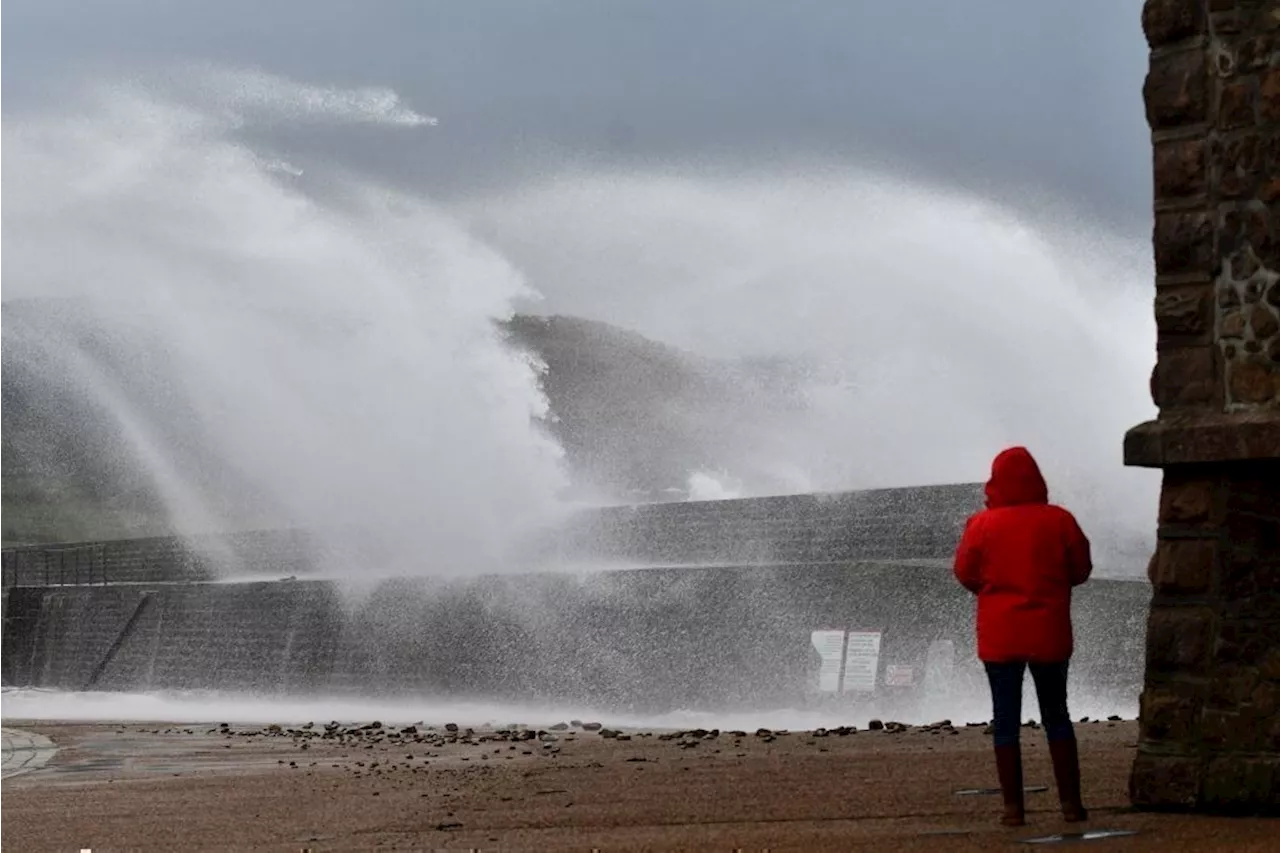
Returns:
<point x="1016" y="479"/>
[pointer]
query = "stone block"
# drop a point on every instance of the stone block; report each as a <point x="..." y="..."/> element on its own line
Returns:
<point x="1253" y="536"/>
<point x="1239" y="162"/>
<point x="1246" y="642"/>
<point x="1269" y="96"/>
<point x="1262" y="605"/>
<point x="1184" y="311"/>
<point x="1168" y="21"/>
<point x="1263" y="700"/>
<point x="1233" y="325"/>
<point x="1183" y="243"/>
<point x="1178" y="167"/>
<point x="1255" y="488"/>
<point x="1180" y="639"/>
<point x="1165" y="781"/>
<point x="1242" y="785"/>
<point x="1172" y="711"/>
<point x="1185" y="566"/>
<point x="1241" y="227"/>
<point x="1185" y="376"/>
<point x="1218" y="728"/>
<point x="1185" y="501"/>
<point x="1232" y="686"/>
<point x="1254" y="53"/>
<point x="1269" y="669"/>
<point x="1263" y="322"/>
<point x="1252" y="381"/>
<point x="1236" y="106"/>
<point x="1176" y="90"/>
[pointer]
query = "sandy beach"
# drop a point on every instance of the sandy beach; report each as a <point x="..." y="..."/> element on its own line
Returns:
<point x="327" y="787"/>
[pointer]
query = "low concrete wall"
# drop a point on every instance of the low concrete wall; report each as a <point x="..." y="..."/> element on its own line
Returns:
<point x="158" y="559"/>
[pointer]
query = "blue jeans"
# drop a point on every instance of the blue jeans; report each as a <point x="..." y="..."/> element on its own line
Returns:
<point x="1006" y="700"/>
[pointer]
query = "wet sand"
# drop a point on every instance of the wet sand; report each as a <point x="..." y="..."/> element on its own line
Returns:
<point x="205" y="787"/>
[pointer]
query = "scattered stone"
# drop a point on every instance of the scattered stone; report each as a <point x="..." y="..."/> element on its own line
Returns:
<point x="591" y="727"/>
<point x="560" y="727"/>
<point x="274" y="729"/>
<point x="451" y="727"/>
<point x="763" y="733"/>
<point x="609" y="733"/>
<point x="577" y="724"/>
<point x="821" y="733"/>
<point x="1114" y="718"/>
<point x="875" y="725"/>
<point x="409" y="730"/>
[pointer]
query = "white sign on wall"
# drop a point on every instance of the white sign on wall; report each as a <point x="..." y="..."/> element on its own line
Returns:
<point x="897" y="675"/>
<point x="861" y="661"/>
<point x="830" y="648"/>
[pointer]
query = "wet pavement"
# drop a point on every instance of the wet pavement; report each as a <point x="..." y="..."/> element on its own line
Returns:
<point x="96" y="753"/>
<point x="24" y="752"/>
<point x="358" y="787"/>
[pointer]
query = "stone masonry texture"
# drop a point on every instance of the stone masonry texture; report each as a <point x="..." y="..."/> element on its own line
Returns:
<point x="1210" y="720"/>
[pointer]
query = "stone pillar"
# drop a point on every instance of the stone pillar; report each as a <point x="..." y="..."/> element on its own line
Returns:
<point x="1210" y="722"/>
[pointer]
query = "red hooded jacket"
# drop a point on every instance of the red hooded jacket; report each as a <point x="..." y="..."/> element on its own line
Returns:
<point x="1021" y="556"/>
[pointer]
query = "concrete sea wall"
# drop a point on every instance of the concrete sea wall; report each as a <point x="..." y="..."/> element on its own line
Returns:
<point x="701" y="635"/>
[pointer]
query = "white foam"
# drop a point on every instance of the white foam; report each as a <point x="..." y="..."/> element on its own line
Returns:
<point x="212" y="706"/>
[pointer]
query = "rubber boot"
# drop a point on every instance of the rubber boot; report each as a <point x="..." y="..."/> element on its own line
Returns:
<point x="1066" y="772"/>
<point x="1009" y="770"/>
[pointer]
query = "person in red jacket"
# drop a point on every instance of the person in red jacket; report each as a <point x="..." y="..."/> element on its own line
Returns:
<point x="1021" y="557"/>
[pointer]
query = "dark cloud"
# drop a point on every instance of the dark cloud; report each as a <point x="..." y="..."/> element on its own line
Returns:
<point x="1014" y="98"/>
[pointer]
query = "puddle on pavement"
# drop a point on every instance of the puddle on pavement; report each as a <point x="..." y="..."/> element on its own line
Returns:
<point x="89" y="764"/>
<point x="1076" y="837"/>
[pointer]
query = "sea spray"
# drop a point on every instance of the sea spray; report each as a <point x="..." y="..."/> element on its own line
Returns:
<point x="321" y="355"/>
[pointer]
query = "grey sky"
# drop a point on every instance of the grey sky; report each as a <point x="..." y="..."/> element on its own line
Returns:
<point x="1011" y="97"/>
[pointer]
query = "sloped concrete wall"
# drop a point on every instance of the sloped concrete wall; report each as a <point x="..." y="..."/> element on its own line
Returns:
<point x="718" y="614"/>
<point x="268" y="637"/>
<point x="661" y="639"/>
<point x="650" y="640"/>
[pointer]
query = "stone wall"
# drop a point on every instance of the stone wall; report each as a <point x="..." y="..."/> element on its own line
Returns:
<point x="1210" y="715"/>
